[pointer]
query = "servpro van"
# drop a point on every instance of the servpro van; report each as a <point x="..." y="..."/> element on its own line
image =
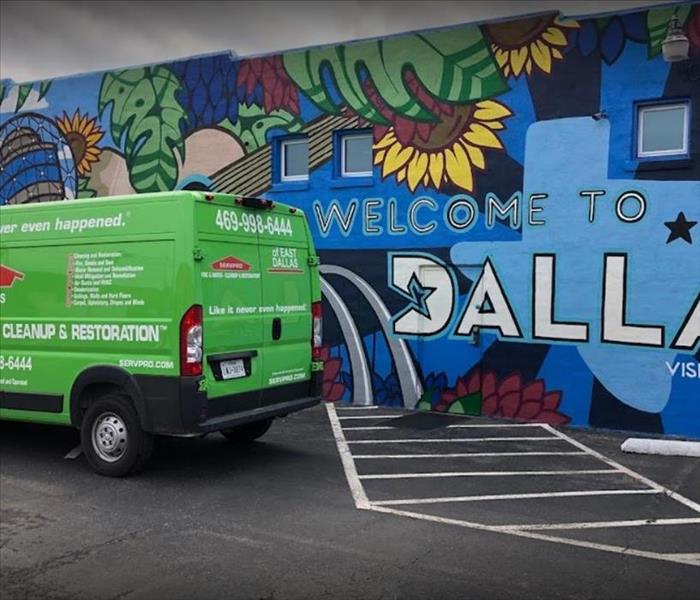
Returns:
<point x="177" y="313"/>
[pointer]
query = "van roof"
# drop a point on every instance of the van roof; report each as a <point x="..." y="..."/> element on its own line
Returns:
<point x="183" y="195"/>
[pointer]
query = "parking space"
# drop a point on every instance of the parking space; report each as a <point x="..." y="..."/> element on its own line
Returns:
<point x="529" y="480"/>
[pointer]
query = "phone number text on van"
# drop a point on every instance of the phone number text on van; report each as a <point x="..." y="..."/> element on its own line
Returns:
<point x="229" y="220"/>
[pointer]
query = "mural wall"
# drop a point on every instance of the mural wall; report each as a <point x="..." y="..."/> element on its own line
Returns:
<point x="508" y="255"/>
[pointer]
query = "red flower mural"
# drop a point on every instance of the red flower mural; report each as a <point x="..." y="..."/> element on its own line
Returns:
<point x="332" y="390"/>
<point x="278" y="89"/>
<point x="461" y="398"/>
<point x="511" y="399"/>
<point x="478" y="393"/>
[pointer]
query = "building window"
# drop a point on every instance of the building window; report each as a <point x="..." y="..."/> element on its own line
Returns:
<point x="294" y="159"/>
<point x="356" y="154"/>
<point x="662" y="130"/>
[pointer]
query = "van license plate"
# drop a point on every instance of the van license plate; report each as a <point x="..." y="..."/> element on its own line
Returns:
<point x="232" y="369"/>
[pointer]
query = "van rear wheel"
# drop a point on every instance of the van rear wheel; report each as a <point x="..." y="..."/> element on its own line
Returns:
<point x="248" y="432"/>
<point x="112" y="439"/>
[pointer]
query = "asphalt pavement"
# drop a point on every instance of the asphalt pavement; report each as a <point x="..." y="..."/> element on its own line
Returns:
<point x="490" y="510"/>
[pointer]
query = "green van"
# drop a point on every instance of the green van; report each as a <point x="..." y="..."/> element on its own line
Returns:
<point x="178" y="313"/>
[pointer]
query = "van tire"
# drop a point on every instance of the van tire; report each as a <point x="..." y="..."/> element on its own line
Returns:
<point x="111" y="423"/>
<point x="248" y="432"/>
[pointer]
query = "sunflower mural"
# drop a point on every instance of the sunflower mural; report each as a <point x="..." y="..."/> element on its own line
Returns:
<point x="523" y="45"/>
<point x="433" y="118"/>
<point x="82" y="134"/>
<point x="449" y="153"/>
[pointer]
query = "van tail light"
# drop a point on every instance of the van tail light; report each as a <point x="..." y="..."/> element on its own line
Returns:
<point x="191" y="351"/>
<point x="317" y="330"/>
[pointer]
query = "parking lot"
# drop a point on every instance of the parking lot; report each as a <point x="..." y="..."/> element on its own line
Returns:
<point x="523" y="479"/>
<point x="348" y="503"/>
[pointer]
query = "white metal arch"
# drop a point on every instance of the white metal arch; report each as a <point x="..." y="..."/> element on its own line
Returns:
<point x="411" y="388"/>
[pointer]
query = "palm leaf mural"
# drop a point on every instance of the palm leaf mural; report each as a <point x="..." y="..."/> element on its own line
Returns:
<point x="254" y="123"/>
<point x="657" y="23"/>
<point x="454" y="66"/>
<point x="44" y="87"/>
<point x="24" y="90"/>
<point x="145" y="123"/>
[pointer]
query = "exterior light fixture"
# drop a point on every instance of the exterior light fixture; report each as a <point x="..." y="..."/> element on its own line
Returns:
<point x="675" y="45"/>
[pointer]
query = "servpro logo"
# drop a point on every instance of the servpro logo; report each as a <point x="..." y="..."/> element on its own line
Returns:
<point x="9" y="276"/>
<point x="230" y="263"/>
<point x="7" y="279"/>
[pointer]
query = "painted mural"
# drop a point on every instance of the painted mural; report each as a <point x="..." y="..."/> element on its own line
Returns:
<point x="508" y="256"/>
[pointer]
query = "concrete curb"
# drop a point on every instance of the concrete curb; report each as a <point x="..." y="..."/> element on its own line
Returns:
<point x="661" y="447"/>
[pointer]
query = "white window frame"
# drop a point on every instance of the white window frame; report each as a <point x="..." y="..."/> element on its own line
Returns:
<point x="640" y="129"/>
<point x="343" y="138"/>
<point x="283" y="160"/>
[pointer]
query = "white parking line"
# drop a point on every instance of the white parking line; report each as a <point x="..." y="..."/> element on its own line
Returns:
<point x="691" y="558"/>
<point x="453" y="440"/>
<point x="489" y="497"/>
<point x="603" y="524"/>
<point x="386" y="427"/>
<point x="377" y="428"/>
<point x="524" y="531"/>
<point x="370" y="417"/>
<point x="490" y="425"/>
<point x="670" y="493"/>
<point x="684" y="559"/>
<point x="454" y="426"/>
<point x="488" y="474"/>
<point x="468" y="454"/>
<point x="356" y="488"/>
<point x="371" y="407"/>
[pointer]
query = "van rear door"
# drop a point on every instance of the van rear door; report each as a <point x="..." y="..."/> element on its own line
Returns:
<point x="286" y="303"/>
<point x="231" y="284"/>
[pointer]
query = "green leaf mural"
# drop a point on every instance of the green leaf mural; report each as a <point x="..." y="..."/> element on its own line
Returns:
<point x="454" y="66"/>
<point x="466" y="405"/>
<point x="84" y="189"/>
<point x="657" y="23"/>
<point x="24" y="90"/>
<point x="44" y="87"/>
<point x="253" y="123"/>
<point x="145" y="123"/>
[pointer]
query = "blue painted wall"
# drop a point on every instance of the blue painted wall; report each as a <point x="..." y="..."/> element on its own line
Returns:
<point x="508" y="256"/>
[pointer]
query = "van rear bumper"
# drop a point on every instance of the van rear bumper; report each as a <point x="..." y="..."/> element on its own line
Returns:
<point x="174" y="405"/>
<point x="257" y="414"/>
